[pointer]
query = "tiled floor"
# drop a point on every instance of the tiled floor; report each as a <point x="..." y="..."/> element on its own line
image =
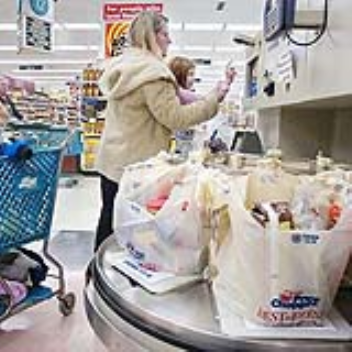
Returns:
<point x="43" y="328"/>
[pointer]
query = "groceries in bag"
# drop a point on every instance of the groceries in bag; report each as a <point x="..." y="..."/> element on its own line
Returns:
<point x="273" y="268"/>
<point x="158" y="215"/>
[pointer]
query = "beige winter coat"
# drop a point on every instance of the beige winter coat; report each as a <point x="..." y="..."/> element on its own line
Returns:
<point x="142" y="111"/>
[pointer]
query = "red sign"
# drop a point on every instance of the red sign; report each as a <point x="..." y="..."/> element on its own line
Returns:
<point x="117" y="19"/>
<point x="117" y="12"/>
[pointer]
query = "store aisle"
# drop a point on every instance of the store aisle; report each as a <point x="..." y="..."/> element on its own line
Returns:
<point x="43" y="328"/>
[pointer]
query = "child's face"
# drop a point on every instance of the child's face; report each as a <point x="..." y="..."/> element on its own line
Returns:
<point x="190" y="78"/>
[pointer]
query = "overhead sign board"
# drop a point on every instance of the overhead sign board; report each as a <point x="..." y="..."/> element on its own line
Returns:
<point x="36" y="18"/>
<point x="113" y="12"/>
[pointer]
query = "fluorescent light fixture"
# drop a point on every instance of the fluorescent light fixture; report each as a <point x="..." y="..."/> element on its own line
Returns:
<point x="197" y="48"/>
<point x="8" y="48"/>
<point x="174" y="47"/>
<point x="57" y="26"/>
<point x="223" y="63"/>
<point x="57" y="48"/>
<point x="81" y="26"/>
<point x="93" y="47"/>
<point x="204" y="26"/>
<point x="46" y="78"/>
<point x="48" y="70"/>
<point x="175" y="26"/>
<point x="45" y="61"/>
<point x="8" y="26"/>
<point x="76" y="48"/>
<point x="243" y="27"/>
<point x="229" y="49"/>
<point x="71" y="48"/>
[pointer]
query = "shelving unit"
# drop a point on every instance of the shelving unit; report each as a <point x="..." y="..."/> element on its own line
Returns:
<point x="40" y="107"/>
<point x="92" y="103"/>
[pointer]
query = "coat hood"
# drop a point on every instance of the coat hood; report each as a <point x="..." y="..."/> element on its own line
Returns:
<point x="132" y="69"/>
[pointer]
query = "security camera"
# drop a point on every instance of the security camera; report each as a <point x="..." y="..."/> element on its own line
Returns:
<point x="243" y="39"/>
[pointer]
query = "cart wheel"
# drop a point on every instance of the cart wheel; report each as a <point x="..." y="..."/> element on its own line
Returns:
<point x="67" y="303"/>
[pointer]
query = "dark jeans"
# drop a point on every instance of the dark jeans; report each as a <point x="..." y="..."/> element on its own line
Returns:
<point x="108" y="191"/>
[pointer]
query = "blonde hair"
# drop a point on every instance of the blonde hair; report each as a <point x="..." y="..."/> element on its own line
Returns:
<point x="180" y="67"/>
<point x="143" y="30"/>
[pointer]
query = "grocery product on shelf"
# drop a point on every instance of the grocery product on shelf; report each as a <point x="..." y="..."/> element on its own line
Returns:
<point x="92" y="103"/>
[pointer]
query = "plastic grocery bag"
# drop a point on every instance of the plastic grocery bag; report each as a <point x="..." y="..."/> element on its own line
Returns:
<point x="143" y="180"/>
<point x="172" y="239"/>
<point x="277" y="278"/>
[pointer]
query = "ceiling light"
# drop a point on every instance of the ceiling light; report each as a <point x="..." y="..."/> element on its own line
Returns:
<point x="229" y="49"/>
<point x="94" y="47"/>
<point x="71" y="48"/>
<point x="175" y="26"/>
<point x="58" y="26"/>
<point x="76" y="47"/>
<point x="223" y="63"/>
<point x="8" y="26"/>
<point x="8" y="48"/>
<point x="46" y="78"/>
<point x="203" y="26"/>
<point x="82" y="26"/>
<point x="243" y="27"/>
<point x="197" y="48"/>
<point x="173" y="47"/>
<point x="44" y="61"/>
<point x="47" y="70"/>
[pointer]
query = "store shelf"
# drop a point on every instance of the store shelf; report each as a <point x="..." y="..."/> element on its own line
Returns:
<point x="91" y="135"/>
<point x="92" y="123"/>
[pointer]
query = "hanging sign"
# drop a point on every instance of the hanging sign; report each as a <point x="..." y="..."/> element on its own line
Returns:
<point x="126" y="12"/>
<point x="117" y="18"/>
<point x="36" y="18"/>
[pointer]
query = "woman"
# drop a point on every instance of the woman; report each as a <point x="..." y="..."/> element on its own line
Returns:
<point x="143" y="108"/>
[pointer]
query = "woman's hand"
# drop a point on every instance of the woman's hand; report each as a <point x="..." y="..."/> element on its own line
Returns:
<point x="223" y="87"/>
<point x="230" y="72"/>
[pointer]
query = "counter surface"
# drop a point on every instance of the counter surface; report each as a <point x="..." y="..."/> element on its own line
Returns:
<point x="184" y="319"/>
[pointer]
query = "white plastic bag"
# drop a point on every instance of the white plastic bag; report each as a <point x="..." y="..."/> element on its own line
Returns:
<point x="172" y="239"/>
<point x="279" y="278"/>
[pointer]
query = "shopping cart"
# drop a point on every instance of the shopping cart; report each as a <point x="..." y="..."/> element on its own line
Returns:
<point x="27" y="197"/>
<point x="40" y="134"/>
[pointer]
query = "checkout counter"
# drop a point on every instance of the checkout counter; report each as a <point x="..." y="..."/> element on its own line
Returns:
<point x="128" y="318"/>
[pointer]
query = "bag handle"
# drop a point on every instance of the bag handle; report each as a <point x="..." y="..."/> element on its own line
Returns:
<point x="272" y="232"/>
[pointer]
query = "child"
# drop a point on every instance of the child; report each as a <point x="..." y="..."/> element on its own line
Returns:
<point x="184" y="72"/>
